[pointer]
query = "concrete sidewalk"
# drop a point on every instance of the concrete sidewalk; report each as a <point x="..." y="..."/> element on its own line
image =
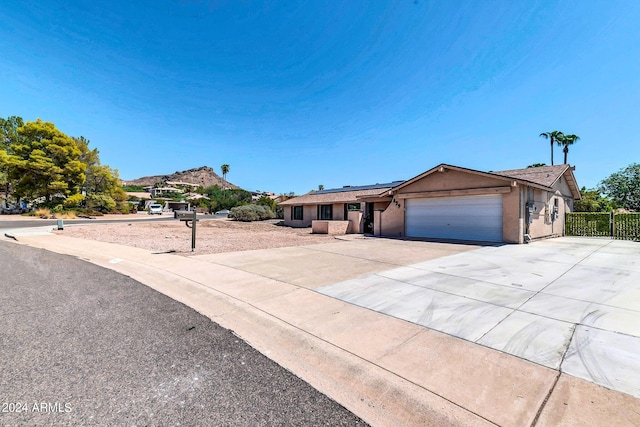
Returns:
<point x="386" y="370"/>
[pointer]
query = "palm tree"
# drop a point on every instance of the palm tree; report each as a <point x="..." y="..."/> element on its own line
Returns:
<point x="565" y="141"/>
<point x="553" y="136"/>
<point x="225" y="170"/>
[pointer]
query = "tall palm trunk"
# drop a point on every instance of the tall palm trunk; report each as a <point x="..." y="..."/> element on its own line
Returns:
<point x="553" y="136"/>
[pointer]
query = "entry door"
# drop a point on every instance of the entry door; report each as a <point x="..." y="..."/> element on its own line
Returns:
<point x="460" y="218"/>
<point x="368" y="218"/>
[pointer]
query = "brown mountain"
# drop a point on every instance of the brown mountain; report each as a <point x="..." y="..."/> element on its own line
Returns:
<point x="204" y="176"/>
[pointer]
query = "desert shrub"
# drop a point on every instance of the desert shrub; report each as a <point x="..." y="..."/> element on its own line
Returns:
<point x="100" y="202"/>
<point x="43" y="213"/>
<point x="249" y="213"/>
<point x="266" y="201"/>
<point x="279" y="212"/>
<point x="57" y="209"/>
<point x="124" y="208"/>
<point x="244" y="213"/>
<point x="65" y="215"/>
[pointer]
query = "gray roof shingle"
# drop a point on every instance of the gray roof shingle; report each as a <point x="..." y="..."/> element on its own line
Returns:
<point x="543" y="175"/>
<point x="334" y="197"/>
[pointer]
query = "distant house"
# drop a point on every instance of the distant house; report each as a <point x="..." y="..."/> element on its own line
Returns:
<point x="451" y="202"/>
<point x="139" y="194"/>
<point x="256" y="195"/>
<point x="197" y="197"/>
<point x="187" y="186"/>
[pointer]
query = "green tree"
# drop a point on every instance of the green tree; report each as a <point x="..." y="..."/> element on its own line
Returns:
<point x="267" y="201"/>
<point x="9" y="131"/>
<point x="100" y="179"/>
<point x="100" y="202"/>
<point x="226" y="199"/>
<point x="537" y="165"/>
<point x="8" y="137"/>
<point x="565" y="141"/>
<point x="623" y="187"/>
<point x="592" y="201"/>
<point x="553" y="136"/>
<point x="43" y="162"/>
<point x="225" y="170"/>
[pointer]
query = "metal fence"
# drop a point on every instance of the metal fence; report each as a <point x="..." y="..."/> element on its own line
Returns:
<point x="623" y="226"/>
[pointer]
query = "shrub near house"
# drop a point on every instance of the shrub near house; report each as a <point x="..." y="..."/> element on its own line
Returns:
<point x="249" y="213"/>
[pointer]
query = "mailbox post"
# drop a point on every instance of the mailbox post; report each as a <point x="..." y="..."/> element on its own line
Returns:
<point x="189" y="217"/>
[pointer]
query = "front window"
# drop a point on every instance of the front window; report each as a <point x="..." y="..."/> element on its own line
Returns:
<point x="296" y="213"/>
<point x="325" y="212"/>
<point x="353" y="206"/>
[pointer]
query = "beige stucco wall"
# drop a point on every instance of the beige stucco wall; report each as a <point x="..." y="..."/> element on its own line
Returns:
<point x="338" y="212"/>
<point x="512" y="221"/>
<point x="452" y="180"/>
<point x="390" y="221"/>
<point x="330" y="227"/>
<point x="355" y="222"/>
<point x="545" y="224"/>
<point x="320" y="227"/>
<point x="541" y="225"/>
<point x="310" y="213"/>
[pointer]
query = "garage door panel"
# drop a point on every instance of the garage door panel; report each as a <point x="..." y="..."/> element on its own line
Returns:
<point x="463" y="218"/>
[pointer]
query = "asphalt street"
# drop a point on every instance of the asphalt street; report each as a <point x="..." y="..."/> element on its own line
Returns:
<point x="29" y="223"/>
<point x="83" y="345"/>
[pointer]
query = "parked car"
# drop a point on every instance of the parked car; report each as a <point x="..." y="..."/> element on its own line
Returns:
<point x="224" y="212"/>
<point x="155" y="209"/>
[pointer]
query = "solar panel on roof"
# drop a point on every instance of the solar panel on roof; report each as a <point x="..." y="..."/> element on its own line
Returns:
<point x="359" y="188"/>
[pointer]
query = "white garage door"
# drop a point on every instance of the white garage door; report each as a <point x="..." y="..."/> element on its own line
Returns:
<point x="461" y="218"/>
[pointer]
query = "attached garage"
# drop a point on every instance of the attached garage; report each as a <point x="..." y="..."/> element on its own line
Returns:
<point x="460" y="218"/>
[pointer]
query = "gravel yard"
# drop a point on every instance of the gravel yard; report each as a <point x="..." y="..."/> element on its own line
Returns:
<point x="213" y="236"/>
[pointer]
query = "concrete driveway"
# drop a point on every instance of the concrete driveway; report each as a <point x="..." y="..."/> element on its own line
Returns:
<point x="570" y="303"/>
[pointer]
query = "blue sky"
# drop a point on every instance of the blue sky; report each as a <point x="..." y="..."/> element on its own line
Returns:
<point x="296" y="94"/>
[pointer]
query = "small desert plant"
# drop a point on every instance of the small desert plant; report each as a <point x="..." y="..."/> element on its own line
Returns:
<point x="65" y="215"/>
<point x="43" y="213"/>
